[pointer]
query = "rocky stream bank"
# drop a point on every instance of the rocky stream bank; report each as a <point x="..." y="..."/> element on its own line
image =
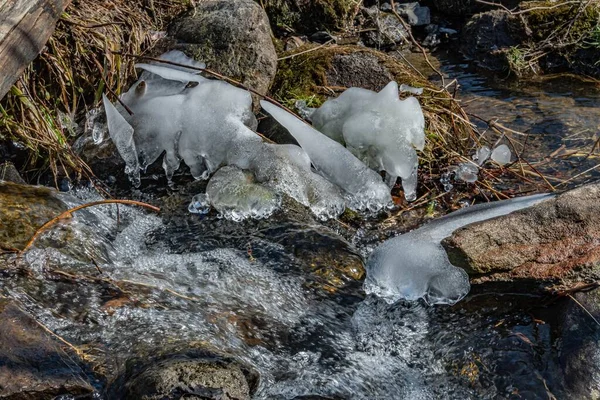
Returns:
<point x="112" y="302"/>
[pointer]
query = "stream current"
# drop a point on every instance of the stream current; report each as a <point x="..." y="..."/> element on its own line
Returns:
<point x="247" y="289"/>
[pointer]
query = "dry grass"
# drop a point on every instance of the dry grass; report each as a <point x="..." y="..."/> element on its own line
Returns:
<point x="73" y="70"/>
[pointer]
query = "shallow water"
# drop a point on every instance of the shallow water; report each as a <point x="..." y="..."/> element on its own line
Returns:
<point x="559" y="116"/>
<point x="285" y="296"/>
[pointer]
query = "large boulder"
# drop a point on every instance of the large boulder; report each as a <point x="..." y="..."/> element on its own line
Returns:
<point x="232" y="38"/>
<point x="556" y="239"/>
<point x="519" y="42"/>
<point x="33" y="363"/>
<point x="487" y="38"/>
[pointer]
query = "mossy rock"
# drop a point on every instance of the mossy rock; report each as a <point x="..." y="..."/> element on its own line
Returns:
<point x="23" y="209"/>
<point x="304" y="16"/>
<point x="314" y="74"/>
<point x="544" y="37"/>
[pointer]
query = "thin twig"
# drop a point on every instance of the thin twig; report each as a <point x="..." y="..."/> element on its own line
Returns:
<point x="306" y="51"/>
<point x="210" y="72"/>
<point x="72" y="210"/>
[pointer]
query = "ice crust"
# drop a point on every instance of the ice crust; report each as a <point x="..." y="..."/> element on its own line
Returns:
<point x="363" y="186"/>
<point x="378" y="128"/>
<point x="415" y="265"/>
<point x="208" y="124"/>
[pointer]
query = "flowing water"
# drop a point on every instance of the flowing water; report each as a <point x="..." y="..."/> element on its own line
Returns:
<point x="282" y="295"/>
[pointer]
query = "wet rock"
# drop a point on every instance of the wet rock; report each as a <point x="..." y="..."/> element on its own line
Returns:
<point x="556" y="239"/>
<point x="307" y="17"/>
<point x="23" y="209"/>
<point x="103" y="158"/>
<point x="579" y="355"/>
<point x="487" y="36"/>
<point x="383" y="30"/>
<point x="197" y="375"/>
<point x="9" y="173"/>
<point x="33" y="364"/>
<point x="232" y="38"/>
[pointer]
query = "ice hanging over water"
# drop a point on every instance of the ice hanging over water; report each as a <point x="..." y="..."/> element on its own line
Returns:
<point x="378" y="128"/>
<point x="208" y="124"/>
<point x="415" y="265"/>
<point x="363" y="186"/>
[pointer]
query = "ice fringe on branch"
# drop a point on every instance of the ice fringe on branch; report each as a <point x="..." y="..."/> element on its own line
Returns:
<point x="363" y="186"/>
<point x="415" y="265"/>
<point x="208" y="124"/>
<point x="378" y="128"/>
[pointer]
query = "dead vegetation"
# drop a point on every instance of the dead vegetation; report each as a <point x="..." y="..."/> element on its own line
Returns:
<point x="75" y="67"/>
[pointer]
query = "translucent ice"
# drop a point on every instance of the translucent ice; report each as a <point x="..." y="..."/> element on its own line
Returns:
<point x="501" y="154"/>
<point x="415" y="265"/>
<point x="481" y="155"/>
<point x="236" y="196"/>
<point x="122" y="135"/>
<point x="364" y="187"/>
<point x="379" y="128"/>
<point x="467" y="172"/>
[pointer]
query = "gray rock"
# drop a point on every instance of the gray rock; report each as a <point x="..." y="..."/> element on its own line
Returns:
<point x="556" y="239"/>
<point x="232" y="38"/>
<point x="487" y="35"/>
<point x="33" y="364"/>
<point x="382" y="29"/>
<point x="195" y="376"/>
<point x="579" y="355"/>
<point x="9" y="173"/>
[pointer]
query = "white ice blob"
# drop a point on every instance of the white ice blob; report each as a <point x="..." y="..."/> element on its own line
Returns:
<point x="501" y="154"/>
<point x="415" y="265"/>
<point x="364" y="187"/>
<point x="378" y="128"/>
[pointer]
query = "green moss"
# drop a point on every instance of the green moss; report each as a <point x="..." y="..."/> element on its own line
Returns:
<point x="309" y="16"/>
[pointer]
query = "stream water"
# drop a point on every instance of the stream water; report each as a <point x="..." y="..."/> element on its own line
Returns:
<point x="270" y="293"/>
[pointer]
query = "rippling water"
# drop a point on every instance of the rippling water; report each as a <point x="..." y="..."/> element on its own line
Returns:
<point x="128" y="284"/>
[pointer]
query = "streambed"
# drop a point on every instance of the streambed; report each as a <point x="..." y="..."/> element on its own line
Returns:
<point x="284" y="295"/>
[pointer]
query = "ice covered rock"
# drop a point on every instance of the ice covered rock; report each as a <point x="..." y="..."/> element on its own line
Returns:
<point x="236" y="195"/>
<point x="378" y="128"/>
<point x="364" y="187"/>
<point x="501" y="154"/>
<point x="415" y="265"/>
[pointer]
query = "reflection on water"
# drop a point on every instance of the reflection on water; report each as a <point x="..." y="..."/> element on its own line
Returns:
<point x="560" y="115"/>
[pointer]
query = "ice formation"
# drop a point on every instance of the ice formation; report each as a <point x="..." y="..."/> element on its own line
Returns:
<point x="466" y="172"/>
<point x="208" y="124"/>
<point x="379" y="129"/>
<point x="501" y="154"/>
<point x="481" y="155"/>
<point x="415" y="265"/>
<point x="363" y="186"/>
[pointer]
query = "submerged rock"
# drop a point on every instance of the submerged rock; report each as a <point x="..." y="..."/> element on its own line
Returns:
<point x="232" y="38"/>
<point x="35" y="365"/>
<point x="196" y="375"/>
<point x="557" y="239"/>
